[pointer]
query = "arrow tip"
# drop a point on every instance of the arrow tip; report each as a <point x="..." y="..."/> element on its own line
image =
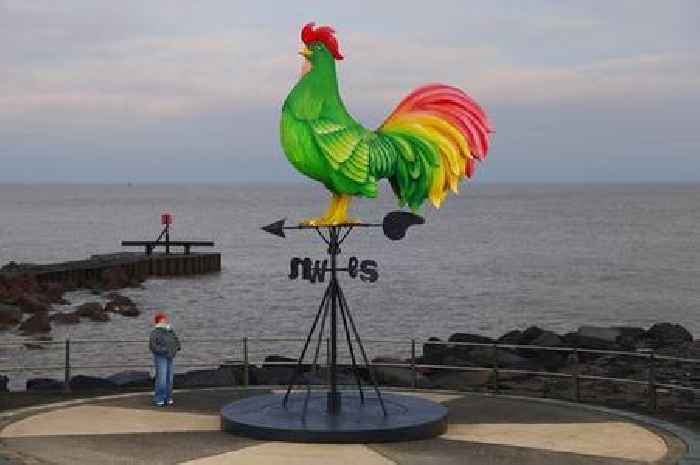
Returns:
<point x="397" y="222"/>
<point x="276" y="228"/>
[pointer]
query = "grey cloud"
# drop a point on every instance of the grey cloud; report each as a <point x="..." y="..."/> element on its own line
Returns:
<point x="568" y="86"/>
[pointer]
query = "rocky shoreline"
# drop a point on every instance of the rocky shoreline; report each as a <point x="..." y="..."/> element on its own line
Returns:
<point x="32" y="306"/>
<point x="575" y="371"/>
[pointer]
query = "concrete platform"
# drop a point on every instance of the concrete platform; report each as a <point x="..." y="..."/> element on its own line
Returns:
<point x="482" y="429"/>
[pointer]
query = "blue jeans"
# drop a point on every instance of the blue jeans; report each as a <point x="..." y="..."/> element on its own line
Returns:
<point x="164" y="379"/>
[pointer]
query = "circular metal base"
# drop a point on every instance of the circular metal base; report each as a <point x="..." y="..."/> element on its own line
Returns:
<point x="265" y="417"/>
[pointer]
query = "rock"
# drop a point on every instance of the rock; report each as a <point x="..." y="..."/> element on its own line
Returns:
<point x="551" y="360"/>
<point x="511" y="337"/>
<point x="547" y="339"/>
<point x="53" y="292"/>
<point x="395" y="376"/>
<point x="609" y="338"/>
<point x="469" y="337"/>
<point x="460" y="351"/>
<point x="630" y="333"/>
<point x="278" y="359"/>
<point x="129" y="311"/>
<point x="89" y="308"/>
<point x="121" y="305"/>
<point x="100" y="317"/>
<point x="459" y="380"/>
<point x="530" y="334"/>
<point x="668" y="335"/>
<point x="483" y="357"/>
<point x="222" y="376"/>
<point x="583" y="342"/>
<point x="693" y="349"/>
<point x="136" y="281"/>
<point x="3" y="383"/>
<point x="32" y="304"/>
<point x="630" y="336"/>
<point x="602" y="333"/>
<point x="10" y="316"/>
<point x="119" y="299"/>
<point x="65" y="318"/>
<point x="620" y="369"/>
<point x="112" y="307"/>
<point x="87" y="383"/>
<point x="272" y="375"/>
<point x="131" y="378"/>
<point x="277" y="374"/>
<point x="539" y="359"/>
<point x="37" y="323"/>
<point x="433" y="354"/>
<point x="44" y="384"/>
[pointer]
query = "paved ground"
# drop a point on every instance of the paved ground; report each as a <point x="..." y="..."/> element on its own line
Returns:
<point x="483" y="430"/>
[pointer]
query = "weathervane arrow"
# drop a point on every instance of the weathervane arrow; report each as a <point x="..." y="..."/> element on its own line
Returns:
<point x="277" y="228"/>
<point x="394" y="225"/>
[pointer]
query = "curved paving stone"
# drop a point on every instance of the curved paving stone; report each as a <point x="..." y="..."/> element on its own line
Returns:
<point x="482" y="429"/>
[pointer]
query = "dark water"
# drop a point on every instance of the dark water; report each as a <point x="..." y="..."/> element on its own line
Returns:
<point x="494" y="258"/>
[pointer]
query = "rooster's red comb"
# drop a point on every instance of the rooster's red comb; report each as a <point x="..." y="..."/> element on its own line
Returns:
<point x="324" y="34"/>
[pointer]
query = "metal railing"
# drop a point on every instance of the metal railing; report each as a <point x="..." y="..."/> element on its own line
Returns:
<point x="412" y="363"/>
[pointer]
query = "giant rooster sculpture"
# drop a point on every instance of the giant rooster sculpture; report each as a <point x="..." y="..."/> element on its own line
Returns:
<point x="426" y="145"/>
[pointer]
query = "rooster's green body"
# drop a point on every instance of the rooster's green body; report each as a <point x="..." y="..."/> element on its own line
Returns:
<point x="423" y="148"/>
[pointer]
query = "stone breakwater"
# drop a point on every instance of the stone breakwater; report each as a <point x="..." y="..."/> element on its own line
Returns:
<point x="31" y="305"/>
<point x="32" y="296"/>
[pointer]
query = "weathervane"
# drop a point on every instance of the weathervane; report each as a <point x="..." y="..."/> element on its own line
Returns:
<point x="333" y="303"/>
<point x="430" y="142"/>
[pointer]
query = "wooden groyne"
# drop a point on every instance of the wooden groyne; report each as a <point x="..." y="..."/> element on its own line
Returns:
<point x="128" y="265"/>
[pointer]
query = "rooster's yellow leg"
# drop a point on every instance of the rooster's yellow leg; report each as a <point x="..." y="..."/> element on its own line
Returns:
<point x="340" y="214"/>
<point x="337" y="212"/>
<point x="327" y="215"/>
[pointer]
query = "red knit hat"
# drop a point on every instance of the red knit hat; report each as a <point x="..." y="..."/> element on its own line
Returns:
<point x="160" y="318"/>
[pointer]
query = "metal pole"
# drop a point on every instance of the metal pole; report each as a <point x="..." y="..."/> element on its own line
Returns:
<point x="577" y="380"/>
<point x="494" y="368"/>
<point x="333" y="402"/>
<point x="66" y="373"/>
<point x="246" y="374"/>
<point x="414" y="374"/>
<point x="652" y="383"/>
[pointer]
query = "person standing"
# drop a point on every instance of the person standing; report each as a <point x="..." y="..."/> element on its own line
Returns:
<point x="164" y="345"/>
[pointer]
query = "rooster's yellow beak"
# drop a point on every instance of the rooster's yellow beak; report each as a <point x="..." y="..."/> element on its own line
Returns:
<point x="305" y="52"/>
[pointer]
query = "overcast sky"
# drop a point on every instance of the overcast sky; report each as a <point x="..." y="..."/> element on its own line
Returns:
<point x="185" y="91"/>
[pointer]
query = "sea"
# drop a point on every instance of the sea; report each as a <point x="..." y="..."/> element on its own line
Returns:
<point x="495" y="257"/>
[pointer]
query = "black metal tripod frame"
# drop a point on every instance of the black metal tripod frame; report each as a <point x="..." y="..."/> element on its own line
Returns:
<point x="333" y="304"/>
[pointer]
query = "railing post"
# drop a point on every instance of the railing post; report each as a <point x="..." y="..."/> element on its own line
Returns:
<point x="414" y="374"/>
<point x="652" y="383"/>
<point x="246" y="367"/>
<point x="577" y="380"/>
<point x="494" y="368"/>
<point x="66" y="366"/>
